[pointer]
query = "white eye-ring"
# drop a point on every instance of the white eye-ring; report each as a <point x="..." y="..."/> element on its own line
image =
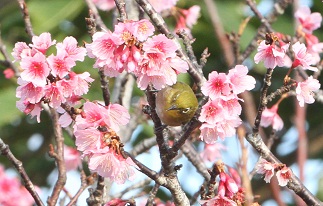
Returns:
<point x="186" y="110"/>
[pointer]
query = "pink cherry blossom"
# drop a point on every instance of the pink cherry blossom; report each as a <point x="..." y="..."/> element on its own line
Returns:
<point x="219" y="201"/>
<point x="68" y="48"/>
<point x="93" y="116"/>
<point x="162" y="5"/>
<point x="102" y="48"/>
<point x="212" y="112"/>
<point x="225" y="128"/>
<point x="283" y="176"/>
<point x="59" y="65"/>
<point x="228" y="127"/>
<point x="305" y="90"/>
<point x="209" y="133"/>
<point x="267" y="168"/>
<point x="231" y="107"/>
<point x="28" y="91"/>
<point x="9" y="73"/>
<point x="35" y="69"/>
<point x="117" y="116"/>
<point x="29" y="108"/>
<point x="104" y="5"/>
<point x="54" y="95"/>
<point x="216" y="86"/>
<point x="239" y="80"/>
<point x="117" y="202"/>
<point x="12" y="192"/>
<point x="72" y="158"/>
<point x="211" y="152"/>
<point x="230" y="185"/>
<point x="18" y="49"/>
<point x="235" y="175"/>
<point x="302" y="57"/>
<point x="87" y="140"/>
<point x="271" y="117"/>
<point x="113" y="166"/>
<point x="272" y="55"/>
<point x="80" y="82"/>
<point x="309" y="21"/>
<point x="143" y="29"/>
<point x="42" y="42"/>
<point x="314" y="47"/>
<point x="192" y="14"/>
<point x="159" y="64"/>
<point x="185" y="19"/>
<point x="65" y="120"/>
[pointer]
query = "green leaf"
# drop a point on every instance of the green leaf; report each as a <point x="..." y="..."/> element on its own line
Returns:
<point x="47" y="15"/>
<point x="8" y="109"/>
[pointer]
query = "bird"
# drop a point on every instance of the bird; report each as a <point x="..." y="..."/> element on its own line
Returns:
<point x="176" y="104"/>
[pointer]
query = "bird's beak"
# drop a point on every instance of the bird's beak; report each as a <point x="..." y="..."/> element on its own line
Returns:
<point x="173" y="107"/>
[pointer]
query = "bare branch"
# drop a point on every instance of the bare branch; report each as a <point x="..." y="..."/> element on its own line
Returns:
<point x="25" y="13"/>
<point x="5" y="151"/>
<point x="59" y="158"/>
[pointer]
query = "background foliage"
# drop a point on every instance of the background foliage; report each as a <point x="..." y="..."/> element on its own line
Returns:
<point x="66" y="18"/>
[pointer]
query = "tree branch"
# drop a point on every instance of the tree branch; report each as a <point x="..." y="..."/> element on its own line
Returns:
<point x="59" y="158"/>
<point x="5" y="151"/>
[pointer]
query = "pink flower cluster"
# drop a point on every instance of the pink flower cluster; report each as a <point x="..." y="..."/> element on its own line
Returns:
<point x="273" y="53"/>
<point x="308" y="21"/>
<point x="226" y="190"/>
<point x="283" y="173"/>
<point x="72" y="158"/>
<point x="305" y="90"/>
<point x="95" y="132"/>
<point x="49" y="79"/>
<point x="220" y="115"/>
<point x="211" y="152"/>
<point x="270" y="117"/>
<point x="130" y="48"/>
<point x="186" y="18"/>
<point x="12" y="192"/>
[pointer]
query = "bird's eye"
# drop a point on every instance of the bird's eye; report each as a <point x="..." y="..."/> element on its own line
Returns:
<point x="184" y="111"/>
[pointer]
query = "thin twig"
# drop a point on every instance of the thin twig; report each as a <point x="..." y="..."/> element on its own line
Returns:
<point x="195" y="159"/>
<point x="5" y="151"/>
<point x="152" y="195"/>
<point x="263" y="20"/>
<point x="85" y="182"/>
<point x="59" y="158"/>
<point x="278" y="9"/>
<point x="294" y="183"/>
<point x="105" y="87"/>
<point x="96" y="14"/>
<point x="263" y="101"/>
<point x="140" y="184"/>
<point x="7" y="62"/>
<point x="25" y="13"/>
<point x="121" y="6"/>
<point x="144" y="145"/>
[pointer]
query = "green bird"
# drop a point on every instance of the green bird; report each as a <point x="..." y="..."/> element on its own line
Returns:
<point x="176" y="104"/>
